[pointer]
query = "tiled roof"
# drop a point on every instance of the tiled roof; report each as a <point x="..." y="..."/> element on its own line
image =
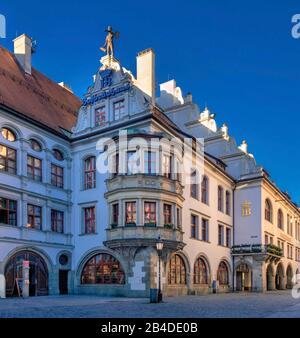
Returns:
<point x="36" y="96"/>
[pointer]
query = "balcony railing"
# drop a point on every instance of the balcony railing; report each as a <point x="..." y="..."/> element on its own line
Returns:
<point x="257" y="249"/>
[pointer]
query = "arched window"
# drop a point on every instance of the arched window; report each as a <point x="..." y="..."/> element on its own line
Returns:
<point x="103" y="269"/>
<point x="280" y="219"/>
<point x="58" y="155"/>
<point x="268" y="211"/>
<point x="90" y="173"/>
<point x="220" y="198"/>
<point x="35" y="145"/>
<point x="177" y="271"/>
<point x="200" y="272"/>
<point x="204" y="190"/>
<point x="194" y="184"/>
<point x="8" y="134"/>
<point x="223" y="274"/>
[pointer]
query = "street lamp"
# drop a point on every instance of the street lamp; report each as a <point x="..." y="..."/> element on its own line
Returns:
<point x="159" y="248"/>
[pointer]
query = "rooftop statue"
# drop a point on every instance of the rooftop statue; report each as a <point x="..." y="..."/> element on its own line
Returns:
<point x="108" y="47"/>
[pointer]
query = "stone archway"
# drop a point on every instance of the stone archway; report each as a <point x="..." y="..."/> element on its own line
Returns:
<point x="270" y="280"/>
<point x="289" y="277"/>
<point x="280" y="278"/>
<point x="243" y="277"/>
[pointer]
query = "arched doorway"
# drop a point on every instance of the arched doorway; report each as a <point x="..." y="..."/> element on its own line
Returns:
<point x="38" y="273"/>
<point x="279" y="279"/>
<point x="270" y="278"/>
<point x="243" y="277"/>
<point x="289" y="277"/>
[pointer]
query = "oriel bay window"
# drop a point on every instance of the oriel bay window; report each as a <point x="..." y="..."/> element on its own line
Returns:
<point x="8" y="211"/>
<point x="8" y="159"/>
<point x="89" y="220"/>
<point x="150" y="213"/>
<point x="166" y="166"/>
<point x="90" y="173"/>
<point x="34" y="168"/>
<point x="57" y="221"/>
<point x="57" y="176"/>
<point x="130" y="216"/>
<point x="34" y="216"/>
<point x="115" y="215"/>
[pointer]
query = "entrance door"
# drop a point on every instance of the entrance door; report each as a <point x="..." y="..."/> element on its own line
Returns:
<point x="63" y="282"/>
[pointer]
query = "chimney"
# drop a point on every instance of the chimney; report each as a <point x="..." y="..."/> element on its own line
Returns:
<point x="146" y="72"/>
<point x="23" y="52"/>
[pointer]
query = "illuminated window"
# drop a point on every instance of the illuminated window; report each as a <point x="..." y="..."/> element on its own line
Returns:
<point x="8" y="160"/>
<point x="100" y="116"/>
<point x="150" y="213"/>
<point x="57" y="221"/>
<point x="34" y="168"/>
<point x="130" y="208"/>
<point x="8" y="211"/>
<point x="119" y="110"/>
<point x="167" y="214"/>
<point x="89" y="220"/>
<point x="34" y="216"/>
<point x="177" y="271"/>
<point x="200" y="272"/>
<point x="90" y="173"/>
<point x="8" y="134"/>
<point x="103" y="269"/>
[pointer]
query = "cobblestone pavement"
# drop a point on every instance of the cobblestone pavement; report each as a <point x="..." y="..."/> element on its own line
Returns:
<point x="273" y="304"/>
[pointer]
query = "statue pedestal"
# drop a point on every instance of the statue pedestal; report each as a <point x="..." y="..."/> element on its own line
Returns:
<point x="110" y="62"/>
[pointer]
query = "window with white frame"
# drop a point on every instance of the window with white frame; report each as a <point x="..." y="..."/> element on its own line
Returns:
<point x="118" y="110"/>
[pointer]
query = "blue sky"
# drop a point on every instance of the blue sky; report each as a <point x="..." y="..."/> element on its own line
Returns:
<point x="237" y="56"/>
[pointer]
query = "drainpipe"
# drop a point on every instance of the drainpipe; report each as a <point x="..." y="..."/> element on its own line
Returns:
<point x="233" y="237"/>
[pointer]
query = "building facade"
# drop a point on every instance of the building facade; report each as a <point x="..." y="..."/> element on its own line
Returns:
<point x="89" y="187"/>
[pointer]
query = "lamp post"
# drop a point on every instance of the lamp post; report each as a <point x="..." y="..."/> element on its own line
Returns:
<point x="159" y="248"/>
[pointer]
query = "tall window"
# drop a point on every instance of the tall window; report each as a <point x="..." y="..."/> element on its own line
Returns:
<point x="34" y="168"/>
<point x="8" y="160"/>
<point x="150" y="163"/>
<point x="280" y="219"/>
<point x="103" y="269"/>
<point x="115" y="214"/>
<point x="90" y="173"/>
<point x="194" y="185"/>
<point x="228" y="237"/>
<point x="200" y="272"/>
<point x="119" y="110"/>
<point x="204" y="230"/>
<point x="89" y="220"/>
<point x="167" y="214"/>
<point x="228" y="203"/>
<point x="8" y="211"/>
<point x="130" y="208"/>
<point x="289" y="225"/>
<point x="57" y="221"/>
<point x="178" y="217"/>
<point x="100" y="116"/>
<point x="268" y="211"/>
<point x="177" y="271"/>
<point x="150" y="213"/>
<point x="166" y="166"/>
<point x="220" y="198"/>
<point x="204" y="190"/>
<point x="132" y="162"/>
<point x="57" y="176"/>
<point x="221" y="235"/>
<point x="8" y="134"/>
<point x="34" y="214"/>
<point x="194" y="226"/>
<point x="223" y="275"/>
